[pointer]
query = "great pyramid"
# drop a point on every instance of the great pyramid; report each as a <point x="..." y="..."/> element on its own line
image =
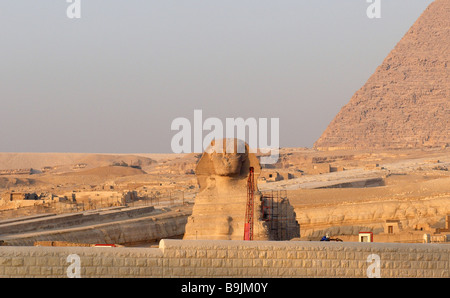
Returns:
<point x="405" y="103"/>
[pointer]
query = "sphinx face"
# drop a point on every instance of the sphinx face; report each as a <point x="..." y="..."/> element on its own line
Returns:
<point x="227" y="164"/>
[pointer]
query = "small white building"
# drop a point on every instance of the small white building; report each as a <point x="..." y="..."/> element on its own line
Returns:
<point x="365" y="237"/>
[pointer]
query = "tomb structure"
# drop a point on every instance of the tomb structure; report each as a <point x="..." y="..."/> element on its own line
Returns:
<point x="405" y="103"/>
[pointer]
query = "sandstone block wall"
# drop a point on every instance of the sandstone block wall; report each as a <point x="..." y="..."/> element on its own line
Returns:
<point x="208" y="258"/>
<point x="128" y="231"/>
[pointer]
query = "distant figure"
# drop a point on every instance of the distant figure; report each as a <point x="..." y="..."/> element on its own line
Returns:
<point x="325" y="238"/>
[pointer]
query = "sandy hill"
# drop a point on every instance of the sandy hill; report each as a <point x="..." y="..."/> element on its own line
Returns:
<point x="109" y="171"/>
<point x="68" y="161"/>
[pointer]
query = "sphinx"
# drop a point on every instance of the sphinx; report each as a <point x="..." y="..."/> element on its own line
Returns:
<point x="219" y="209"/>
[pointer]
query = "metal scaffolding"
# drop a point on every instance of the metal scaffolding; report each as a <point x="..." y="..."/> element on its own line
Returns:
<point x="250" y="210"/>
<point x="279" y="215"/>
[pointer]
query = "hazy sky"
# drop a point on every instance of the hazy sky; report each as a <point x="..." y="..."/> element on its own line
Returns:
<point x="114" y="80"/>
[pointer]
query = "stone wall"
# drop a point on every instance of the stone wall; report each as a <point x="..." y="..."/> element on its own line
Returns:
<point x="222" y="258"/>
<point x="349" y="219"/>
<point x="119" y="225"/>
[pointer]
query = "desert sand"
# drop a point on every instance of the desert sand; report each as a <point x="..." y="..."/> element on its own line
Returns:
<point x="339" y="193"/>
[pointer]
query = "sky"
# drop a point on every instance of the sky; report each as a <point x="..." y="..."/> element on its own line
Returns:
<point x="115" y="79"/>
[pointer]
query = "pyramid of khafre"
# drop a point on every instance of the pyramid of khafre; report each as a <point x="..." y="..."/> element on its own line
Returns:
<point x="405" y="103"/>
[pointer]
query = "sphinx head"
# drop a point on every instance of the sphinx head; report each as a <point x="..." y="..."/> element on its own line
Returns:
<point x="228" y="156"/>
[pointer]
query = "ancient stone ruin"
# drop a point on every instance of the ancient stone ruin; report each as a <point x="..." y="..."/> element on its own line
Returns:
<point x="405" y="103"/>
<point x="220" y="206"/>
